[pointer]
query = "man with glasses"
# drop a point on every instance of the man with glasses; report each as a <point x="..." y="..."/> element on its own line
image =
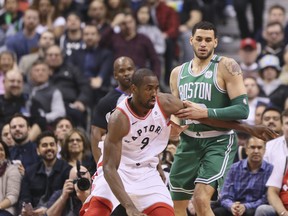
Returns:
<point x="273" y="41"/>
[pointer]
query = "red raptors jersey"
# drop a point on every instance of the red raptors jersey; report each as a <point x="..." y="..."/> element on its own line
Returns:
<point x="148" y="136"/>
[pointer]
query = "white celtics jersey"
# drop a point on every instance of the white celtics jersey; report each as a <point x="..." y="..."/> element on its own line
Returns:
<point x="148" y="136"/>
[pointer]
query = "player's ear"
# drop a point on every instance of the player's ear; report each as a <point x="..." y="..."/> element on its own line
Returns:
<point x="133" y="88"/>
<point x="216" y="43"/>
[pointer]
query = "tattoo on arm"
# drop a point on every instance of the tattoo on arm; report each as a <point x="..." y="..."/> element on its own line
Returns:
<point x="232" y="66"/>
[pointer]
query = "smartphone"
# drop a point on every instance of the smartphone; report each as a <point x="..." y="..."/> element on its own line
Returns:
<point x="28" y="208"/>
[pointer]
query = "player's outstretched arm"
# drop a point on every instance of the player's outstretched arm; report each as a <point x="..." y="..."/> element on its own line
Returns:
<point x="118" y="127"/>
<point x="259" y="131"/>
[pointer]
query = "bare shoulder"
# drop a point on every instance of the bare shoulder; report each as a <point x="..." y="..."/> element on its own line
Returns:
<point x="173" y="80"/>
<point x="118" y="122"/>
<point x="176" y="71"/>
<point x="231" y="66"/>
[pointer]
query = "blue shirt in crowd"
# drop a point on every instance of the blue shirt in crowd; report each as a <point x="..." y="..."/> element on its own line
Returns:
<point x="245" y="186"/>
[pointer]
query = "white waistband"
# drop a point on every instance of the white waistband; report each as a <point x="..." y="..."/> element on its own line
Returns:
<point x="207" y="134"/>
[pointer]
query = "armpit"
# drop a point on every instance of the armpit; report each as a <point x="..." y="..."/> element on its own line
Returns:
<point x="232" y="66"/>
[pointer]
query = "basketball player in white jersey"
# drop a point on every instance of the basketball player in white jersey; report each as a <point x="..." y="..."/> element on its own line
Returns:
<point x="138" y="130"/>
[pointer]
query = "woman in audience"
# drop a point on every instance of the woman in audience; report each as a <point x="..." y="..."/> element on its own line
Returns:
<point x="6" y="135"/>
<point x="77" y="148"/>
<point x="10" y="180"/>
<point x="116" y="7"/>
<point x="49" y="17"/>
<point x="146" y="27"/>
<point x="63" y="126"/>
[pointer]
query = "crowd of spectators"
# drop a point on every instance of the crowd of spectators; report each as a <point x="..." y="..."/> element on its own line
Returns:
<point x="56" y="64"/>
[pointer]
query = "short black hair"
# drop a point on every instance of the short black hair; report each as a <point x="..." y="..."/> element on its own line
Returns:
<point x="43" y="135"/>
<point x="139" y="75"/>
<point x="20" y="115"/>
<point x="271" y="108"/>
<point x="59" y="119"/>
<point x="205" y="26"/>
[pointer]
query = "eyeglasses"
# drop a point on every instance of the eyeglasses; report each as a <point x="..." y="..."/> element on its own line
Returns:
<point x="73" y="140"/>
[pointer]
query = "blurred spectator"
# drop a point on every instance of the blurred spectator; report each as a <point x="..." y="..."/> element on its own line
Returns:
<point x="270" y="84"/>
<point x="73" y="85"/>
<point x="97" y="12"/>
<point x="42" y="179"/>
<point x="123" y="70"/>
<point x="50" y="18"/>
<point x="276" y="13"/>
<point x="241" y="144"/>
<point x="14" y="101"/>
<point x="7" y="62"/>
<point x="115" y="7"/>
<point x="131" y="44"/>
<point x="72" y="39"/>
<point x="248" y="57"/>
<point x="95" y="63"/>
<point x="68" y="6"/>
<point x="23" y="150"/>
<point x="244" y="186"/>
<point x="77" y="148"/>
<point x="284" y="72"/>
<point x="146" y="27"/>
<point x="6" y="135"/>
<point x="10" y="20"/>
<point x="46" y="40"/>
<point x="276" y="154"/>
<point x="271" y="117"/>
<point x="252" y="89"/>
<point x="25" y="41"/>
<point x="258" y="113"/>
<point x="168" y="22"/>
<point x="273" y="41"/>
<point x="45" y="100"/>
<point x="190" y="15"/>
<point x="10" y="179"/>
<point x="257" y="7"/>
<point x="63" y="126"/>
<point x="68" y="201"/>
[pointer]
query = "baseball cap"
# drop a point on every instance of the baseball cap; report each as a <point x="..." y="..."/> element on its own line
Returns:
<point x="248" y="43"/>
<point x="269" y="61"/>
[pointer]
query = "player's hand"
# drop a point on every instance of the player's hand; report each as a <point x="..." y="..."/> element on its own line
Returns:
<point x="134" y="212"/>
<point x="263" y="132"/>
<point x="176" y="130"/>
<point x="192" y="111"/>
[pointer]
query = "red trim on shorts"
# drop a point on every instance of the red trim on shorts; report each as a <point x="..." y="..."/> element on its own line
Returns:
<point x="97" y="206"/>
<point x="161" y="205"/>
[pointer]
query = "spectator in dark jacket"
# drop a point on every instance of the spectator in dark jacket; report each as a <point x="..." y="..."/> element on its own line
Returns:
<point x="72" y="84"/>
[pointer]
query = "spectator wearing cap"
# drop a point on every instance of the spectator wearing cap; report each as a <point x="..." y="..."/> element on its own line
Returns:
<point x="270" y="84"/>
<point x="248" y="56"/>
